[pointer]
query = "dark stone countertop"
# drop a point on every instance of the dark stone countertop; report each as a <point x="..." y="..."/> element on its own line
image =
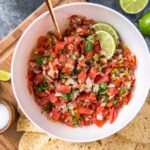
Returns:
<point x="13" y="12"/>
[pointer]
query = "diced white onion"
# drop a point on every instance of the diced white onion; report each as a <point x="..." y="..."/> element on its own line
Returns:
<point x="99" y="116"/>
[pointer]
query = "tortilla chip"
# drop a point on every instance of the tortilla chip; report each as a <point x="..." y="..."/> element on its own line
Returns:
<point x="61" y="145"/>
<point x="33" y="141"/>
<point x="25" y="125"/>
<point x="117" y="142"/>
<point x="139" y="129"/>
<point x="148" y="98"/>
<point x="143" y="147"/>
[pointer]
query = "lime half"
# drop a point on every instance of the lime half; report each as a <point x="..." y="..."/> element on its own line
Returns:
<point x="107" y="43"/>
<point x="133" y="6"/>
<point x="144" y="24"/>
<point x="4" y="76"/>
<point x="108" y="28"/>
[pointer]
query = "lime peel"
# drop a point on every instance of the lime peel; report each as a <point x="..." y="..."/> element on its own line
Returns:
<point x="4" y="75"/>
<point x="133" y="6"/>
<point x="107" y="43"/>
<point x="102" y="26"/>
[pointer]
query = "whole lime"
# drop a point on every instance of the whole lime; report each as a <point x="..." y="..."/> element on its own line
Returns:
<point x="144" y="24"/>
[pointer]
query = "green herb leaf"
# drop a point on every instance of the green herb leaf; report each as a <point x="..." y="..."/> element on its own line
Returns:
<point x="67" y="96"/>
<point x="75" y="71"/>
<point x="47" y="107"/>
<point x="73" y="56"/>
<point x="74" y="120"/>
<point x="89" y="47"/>
<point x="42" y="87"/>
<point x="102" y="89"/>
<point x="114" y="71"/>
<point x="47" y="54"/>
<point x="115" y="102"/>
<point x="90" y="39"/>
<point x="103" y="85"/>
<point x="39" y="59"/>
<point x="61" y="75"/>
<point x="122" y="91"/>
<point x="62" y="51"/>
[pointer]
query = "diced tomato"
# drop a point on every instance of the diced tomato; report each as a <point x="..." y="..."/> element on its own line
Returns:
<point x="82" y="31"/>
<point x="42" y="94"/>
<point x="31" y="75"/>
<point x="90" y="54"/>
<point x="65" y="89"/>
<point x="53" y="54"/>
<point x="55" y="115"/>
<point x="126" y="99"/>
<point x="70" y="124"/>
<point x="87" y="96"/>
<point x="85" y="111"/>
<point x="82" y="76"/>
<point x="39" y="78"/>
<point x="69" y="66"/>
<point x="53" y="98"/>
<point x="41" y="40"/>
<point x="59" y="46"/>
<point x="118" y="82"/>
<point x="41" y="51"/>
<point x="62" y="58"/>
<point x="93" y="73"/>
<point x="70" y="39"/>
<point x="104" y="78"/>
<point x="110" y="104"/>
<point x="78" y="40"/>
<point x="99" y="123"/>
<point x="113" y="115"/>
<point x="56" y="65"/>
<point x="97" y="48"/>
<point x="42" y="101"/>
<point x="87" y="122"/>
<point x="112" y="91"/>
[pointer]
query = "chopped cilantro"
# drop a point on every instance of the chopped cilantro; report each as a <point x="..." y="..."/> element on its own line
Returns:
<point x="47" y="107"/>
<point x="89" y="47"/>
<point x="42" y="86"/>
<point x="75" y="71"/>
<point x="102" y="88"/>
<point x="62" y="51"/>
<point x="115" y="102"/>
<point x="90" y="39"/>
<point x="74" y="120"/>
<point x="61" y="76"/>
<point x="39" y="59"/>
<point x="122" y="91"/>
<point x="67" y="96"/>
<point x="73" y="56"/>
<point x="47" y="54"/>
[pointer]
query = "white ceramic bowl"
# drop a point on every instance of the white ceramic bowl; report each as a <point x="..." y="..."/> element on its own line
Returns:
<point x="131" y="37"/>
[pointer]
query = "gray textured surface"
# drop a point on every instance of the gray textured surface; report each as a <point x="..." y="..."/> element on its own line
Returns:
<point x="13" y="12"/>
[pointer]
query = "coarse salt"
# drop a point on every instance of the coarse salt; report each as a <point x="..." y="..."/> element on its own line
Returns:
<point x="4" y="116"/>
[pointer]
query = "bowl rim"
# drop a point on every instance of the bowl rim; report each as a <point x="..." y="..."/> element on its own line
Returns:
<point x="68" y="5"/>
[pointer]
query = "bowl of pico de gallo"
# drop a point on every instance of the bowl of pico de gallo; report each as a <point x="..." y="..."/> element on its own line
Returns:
<point x="88" y="85"/>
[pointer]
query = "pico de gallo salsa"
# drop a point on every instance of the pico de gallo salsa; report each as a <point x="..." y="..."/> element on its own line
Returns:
<point x="72" y="80"/>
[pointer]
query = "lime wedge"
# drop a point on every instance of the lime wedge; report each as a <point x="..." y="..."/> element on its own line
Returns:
<point x="107" y="43"/>
<point x="133" y="6"/>
<point x="108" y="28"/>
<point x="4" y="76"/>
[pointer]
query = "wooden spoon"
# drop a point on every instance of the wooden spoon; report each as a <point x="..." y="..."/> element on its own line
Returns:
<point x="50" y="8"/>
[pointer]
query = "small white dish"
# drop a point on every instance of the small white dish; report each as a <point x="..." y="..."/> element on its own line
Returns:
<point x="130" y="36"/>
